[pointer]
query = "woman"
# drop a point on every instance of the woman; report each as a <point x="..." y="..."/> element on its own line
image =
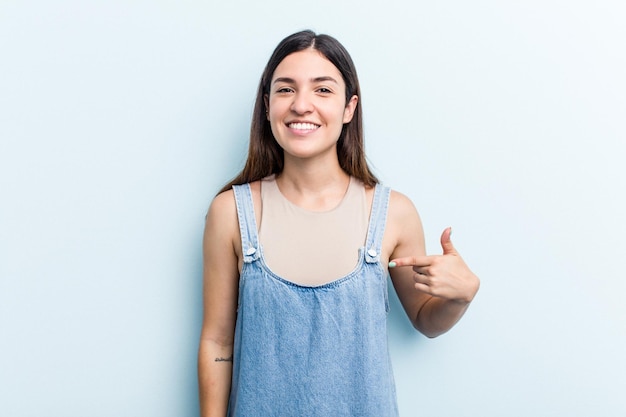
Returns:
<point x="295" y="309"/>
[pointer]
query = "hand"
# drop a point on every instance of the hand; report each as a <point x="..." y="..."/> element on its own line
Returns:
<point x="444" y="276"/>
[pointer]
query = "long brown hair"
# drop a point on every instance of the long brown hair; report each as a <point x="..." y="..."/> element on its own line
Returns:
<point x="265" y="156"/>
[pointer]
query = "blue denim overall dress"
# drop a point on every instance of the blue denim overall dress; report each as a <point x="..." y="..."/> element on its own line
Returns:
<point x="312" y="351"/>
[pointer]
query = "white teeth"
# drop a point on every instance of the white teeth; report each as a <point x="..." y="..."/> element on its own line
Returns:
<point x="302" y="126"/>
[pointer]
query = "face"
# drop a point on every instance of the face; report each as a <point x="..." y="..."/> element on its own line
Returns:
<point x="307" y="105"/>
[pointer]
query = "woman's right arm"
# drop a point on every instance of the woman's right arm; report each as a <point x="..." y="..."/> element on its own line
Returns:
<point x="221" y="253"/>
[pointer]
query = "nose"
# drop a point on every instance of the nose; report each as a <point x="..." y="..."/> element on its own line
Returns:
<point x="302" y="103"/>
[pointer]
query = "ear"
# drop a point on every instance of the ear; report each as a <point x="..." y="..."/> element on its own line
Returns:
<point x="266" y="99"/>
<point x="348" y="112"/>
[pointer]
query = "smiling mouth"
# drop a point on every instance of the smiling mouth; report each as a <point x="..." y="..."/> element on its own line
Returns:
<point x="303" y="126"/>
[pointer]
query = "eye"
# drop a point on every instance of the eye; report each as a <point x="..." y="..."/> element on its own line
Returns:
<point x="283" y="90"/>
<point x="324" y="90"/>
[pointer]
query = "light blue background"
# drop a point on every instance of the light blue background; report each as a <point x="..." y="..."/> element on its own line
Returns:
<point x="119" y="121"/>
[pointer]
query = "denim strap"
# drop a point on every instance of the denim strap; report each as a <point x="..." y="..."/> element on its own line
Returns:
<point x="378" y="219"/>
<point x="247" y="223"/>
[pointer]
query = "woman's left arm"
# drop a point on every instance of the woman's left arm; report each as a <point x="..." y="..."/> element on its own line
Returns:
<point x="436" y="290"/>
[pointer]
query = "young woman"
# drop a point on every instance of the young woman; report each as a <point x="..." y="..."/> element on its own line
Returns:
<point x="296" y="255"/>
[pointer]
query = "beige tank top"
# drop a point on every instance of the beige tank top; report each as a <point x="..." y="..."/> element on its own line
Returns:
<point x="312" y="248"/>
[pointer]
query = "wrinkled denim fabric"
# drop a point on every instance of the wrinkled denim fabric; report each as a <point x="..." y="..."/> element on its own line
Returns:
<point x="312" y="351"/>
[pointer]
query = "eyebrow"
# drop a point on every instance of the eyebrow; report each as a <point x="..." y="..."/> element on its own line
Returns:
<point x="314" y="80"/>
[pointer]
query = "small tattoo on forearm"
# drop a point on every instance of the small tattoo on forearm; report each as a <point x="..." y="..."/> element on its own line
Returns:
<point x="229" y="359"/>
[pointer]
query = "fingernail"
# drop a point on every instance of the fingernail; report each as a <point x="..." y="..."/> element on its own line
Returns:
<point x="392" y="264"/>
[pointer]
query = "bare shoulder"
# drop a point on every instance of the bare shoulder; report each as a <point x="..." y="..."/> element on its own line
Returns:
<point x="222" y="207"/>
<point x="403" y="214"/>
<point x="222" y="224"/>
<point x="404" y="232"/>
<point x="221" y="220"/>
<point x="224" y="202"/>
<point x="401" y="206"/>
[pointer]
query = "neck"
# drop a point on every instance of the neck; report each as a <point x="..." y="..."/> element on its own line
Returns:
<point x="312" y="185"/>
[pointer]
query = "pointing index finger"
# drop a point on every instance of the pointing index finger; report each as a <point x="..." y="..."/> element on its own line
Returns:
<point x="410" y="261"/>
